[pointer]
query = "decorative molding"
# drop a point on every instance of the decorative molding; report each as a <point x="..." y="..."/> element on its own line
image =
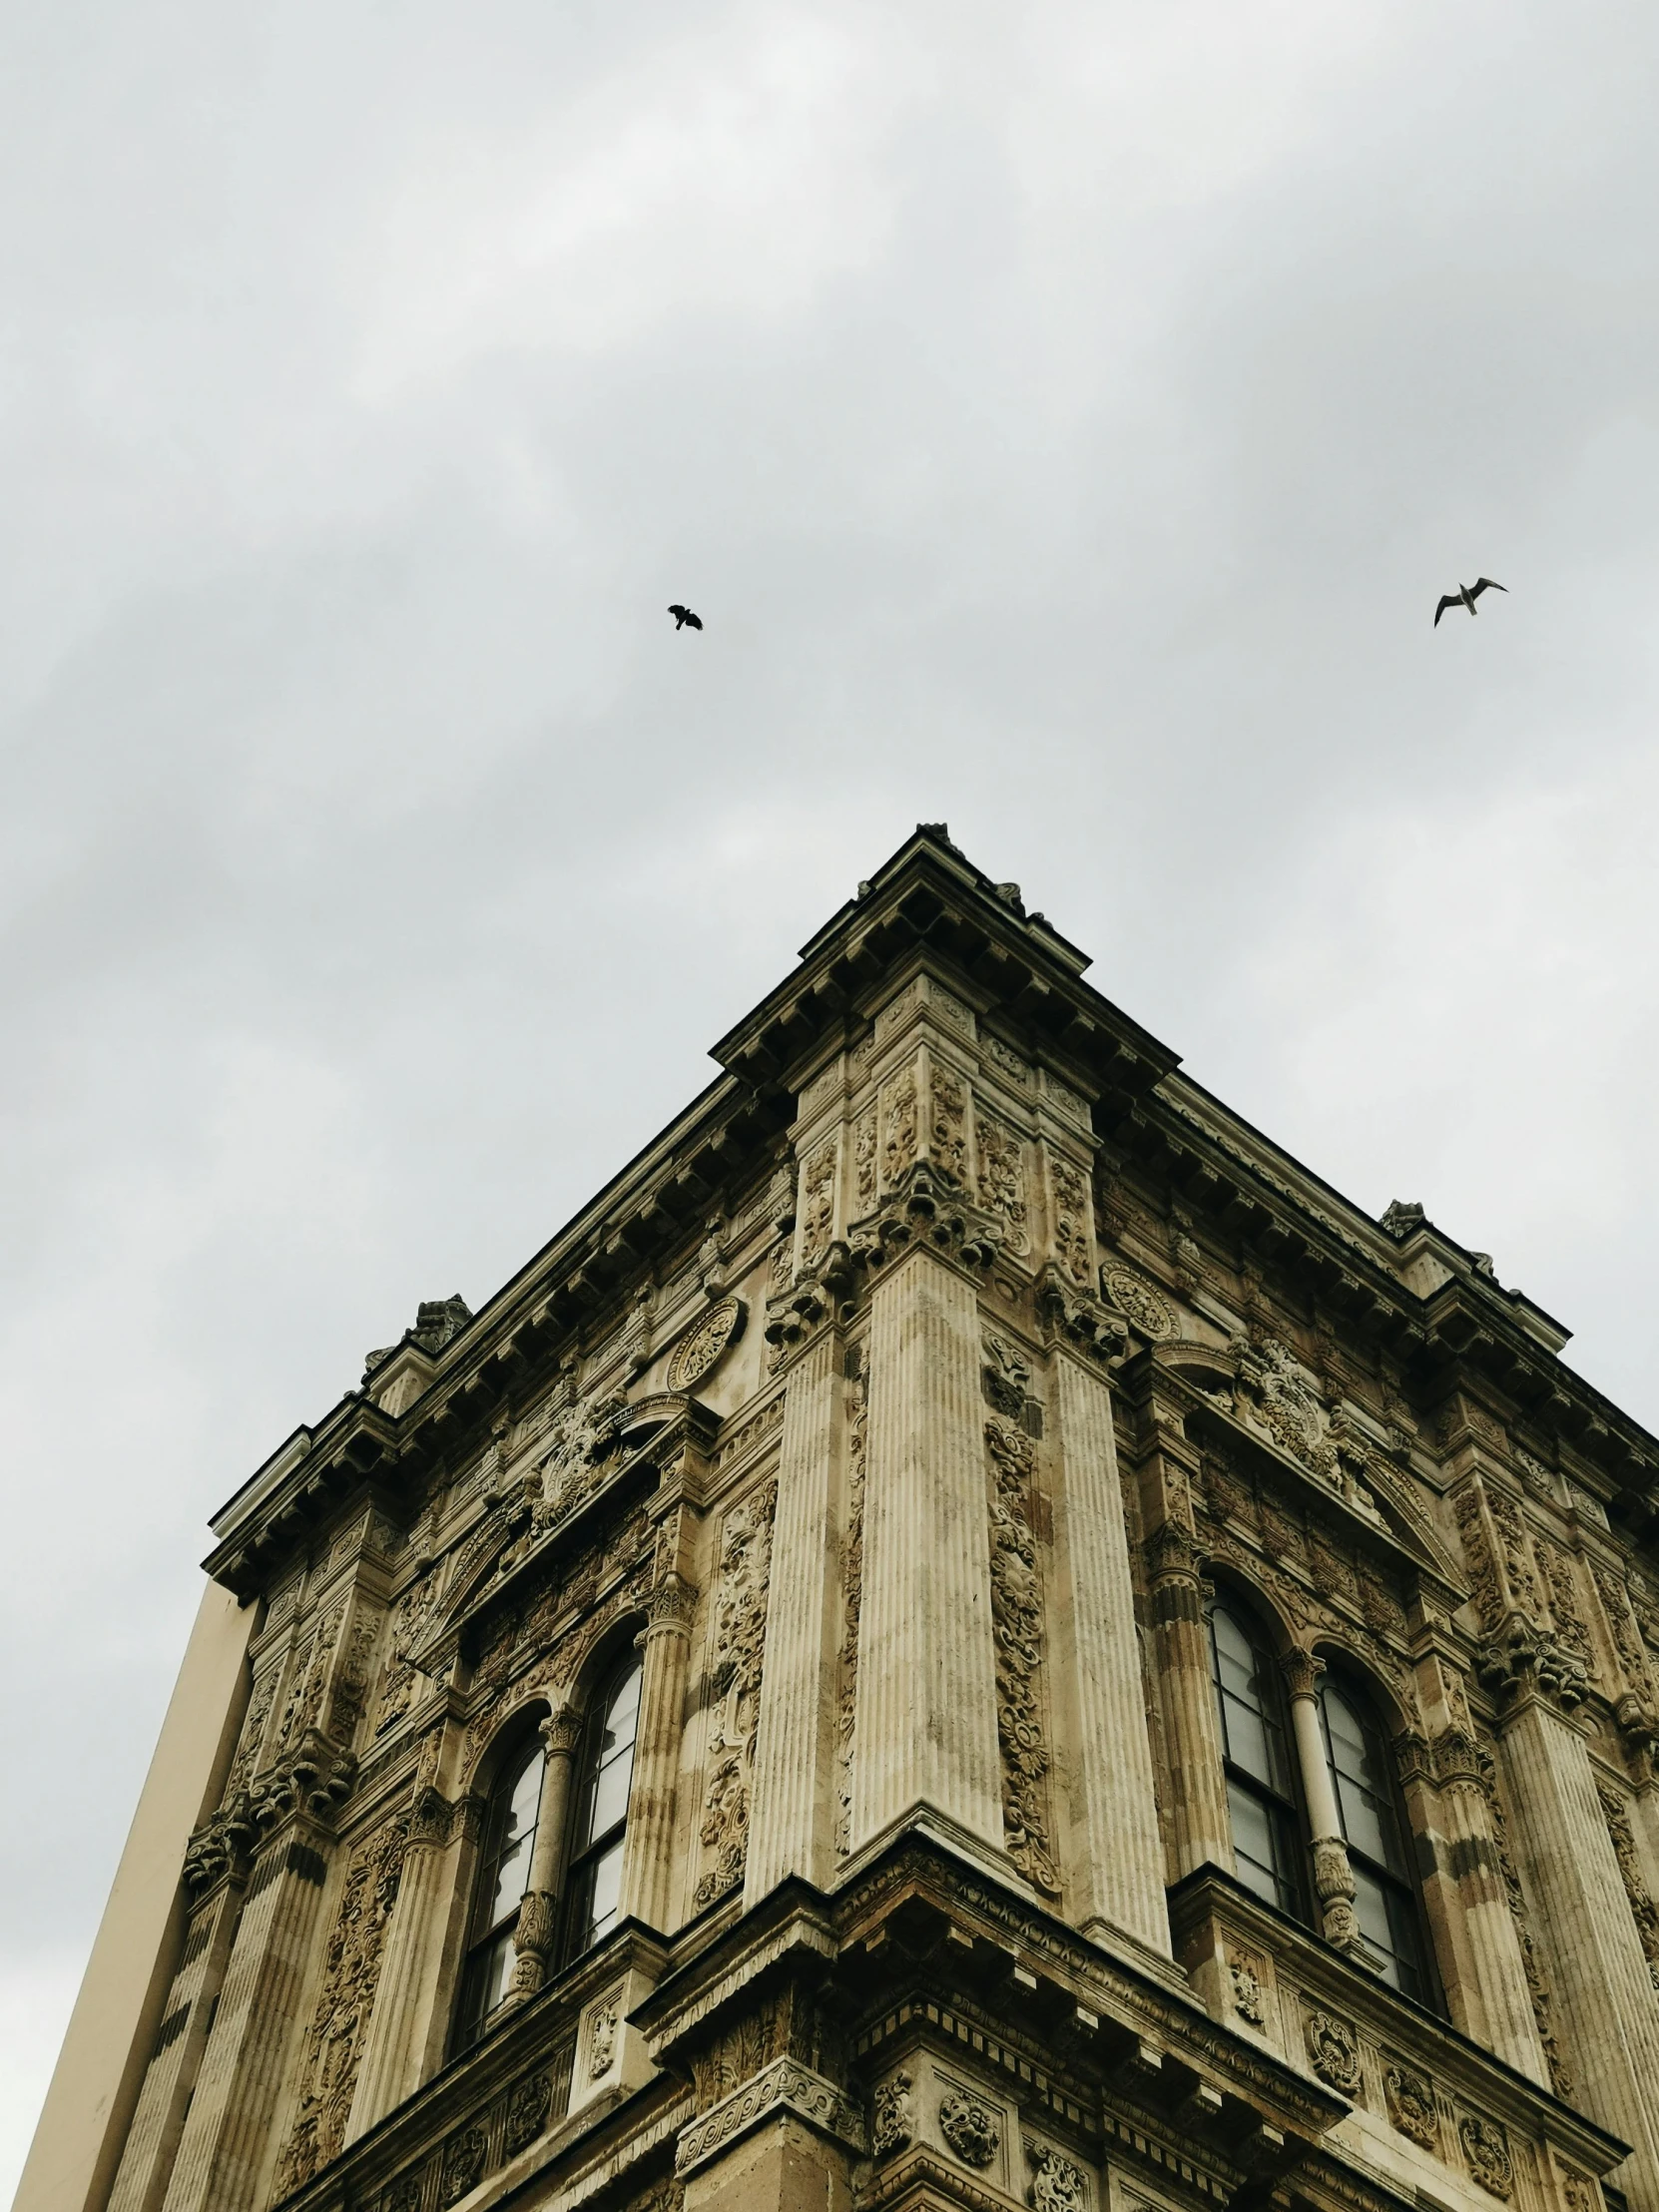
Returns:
<point x="853" y="1591"/>
<point x="1016" y="1617"/>
<point x="1616" y="1813"/>
<point x="735" y="1685"/>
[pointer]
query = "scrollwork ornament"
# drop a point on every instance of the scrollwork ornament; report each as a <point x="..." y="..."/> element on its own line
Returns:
<point x="1057" y="2184"/>
<point x="1247" y="1999"/>
<point x="892" y="2115"/>
<point x="602" y="2028"/>
<point x="970" y="2127"/>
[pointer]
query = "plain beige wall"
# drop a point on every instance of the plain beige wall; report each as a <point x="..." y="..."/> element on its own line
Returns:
<point x="100" y="2069"/>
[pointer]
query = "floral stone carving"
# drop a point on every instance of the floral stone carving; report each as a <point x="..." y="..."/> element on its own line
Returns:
<point x="701" y="1352"/>
<point x="1332" y="2051"/>
<point x="970" y="2127"/>
<point x="1057" y="2185"/>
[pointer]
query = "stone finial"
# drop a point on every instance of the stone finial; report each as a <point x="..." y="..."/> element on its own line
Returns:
<point x="1401" y="1216"/>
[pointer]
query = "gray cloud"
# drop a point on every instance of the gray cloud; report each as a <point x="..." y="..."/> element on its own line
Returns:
<point x="1065" y="423"/>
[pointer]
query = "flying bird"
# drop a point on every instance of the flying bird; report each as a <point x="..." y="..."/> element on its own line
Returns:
<point x="683" y="616"/>
<point x="1465" y="595"/>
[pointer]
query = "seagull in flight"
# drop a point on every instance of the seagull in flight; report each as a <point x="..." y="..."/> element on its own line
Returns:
<point x="1464" y="596"/>
<point x="683" y="616"/>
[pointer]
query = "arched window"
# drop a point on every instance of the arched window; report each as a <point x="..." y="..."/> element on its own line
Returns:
<point x="593" y="1885"/>
<point x="1367" y="1804"/>
<point x="1256" y="1755"/>
<point x="503" y="1872"/>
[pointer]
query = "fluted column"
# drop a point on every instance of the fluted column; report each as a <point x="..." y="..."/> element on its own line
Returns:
<point x="927" y="1731"/>
<point x="153" y="2137"/>
<point x="1481" y="1966"/>
<point x="538" y="1912"/>
<point x="1200" y="1831"/>
<point x="225" y="2146"/>
<point x="648" y="1863"/>
<point x="1333" y="1875"/>
<point x="792" y="1796"/>
<point x="1115" y="1808"/>
<point x="1600" y="1977"/>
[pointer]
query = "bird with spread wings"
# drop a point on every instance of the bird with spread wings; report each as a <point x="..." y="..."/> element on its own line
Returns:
<point x="1465" y="595"/>
<point x="682" y="617"/>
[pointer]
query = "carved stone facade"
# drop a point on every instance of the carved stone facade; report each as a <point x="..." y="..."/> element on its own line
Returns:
<point x="893" y="1425"/>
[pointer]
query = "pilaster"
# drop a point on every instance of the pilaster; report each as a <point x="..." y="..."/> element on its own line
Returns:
<point x="793" y="1815"/>
<point x="1119" y="1850"/>
<point x="224" y="2151"/>
<point x="1600" y="1977"/>
<point x="927" y="1732"/>
<point x="1482" y="1967"/>
<point x="153" y="2138"/>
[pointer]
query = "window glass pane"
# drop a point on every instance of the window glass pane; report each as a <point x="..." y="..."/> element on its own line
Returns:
<point x="1253" y="1843"/>
<point x="526" y="1795"/>
<point x="1370" y="1909"/>
<point x="605" y="1893"/>
<point x="1247" y="1701"/>
<point x="621" y="1718"/>
<point x="605" y="1788"/>
<point x="610" y="1796"/>
<point x="1358" y="1767"/>
<point x="512" y="1872"/>
<point x="488" y="1974"/>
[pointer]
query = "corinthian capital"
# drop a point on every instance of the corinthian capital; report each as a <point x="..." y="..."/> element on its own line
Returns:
<point x="1302" y="1672"/>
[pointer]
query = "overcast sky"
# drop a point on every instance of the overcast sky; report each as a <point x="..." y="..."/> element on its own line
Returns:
<point x="1064" y="418"/>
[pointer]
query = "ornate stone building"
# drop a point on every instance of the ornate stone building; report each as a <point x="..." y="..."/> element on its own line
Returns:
<point x="969" y="1635"/>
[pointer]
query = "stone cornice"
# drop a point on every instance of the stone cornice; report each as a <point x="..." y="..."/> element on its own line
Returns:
<point x="1395" y="2021"/>
<point x="930" y="906"/>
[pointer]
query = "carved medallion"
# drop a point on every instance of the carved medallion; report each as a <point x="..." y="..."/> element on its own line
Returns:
<point x="1411" y="2100"/>
<point x="527" y="2110"/>
<point x="1138" y="1303"/>
<point x="701" y="1352"/>
<point x="1334" y="2051"/>
<point x="602" y="2038"/>
<point x="970" y="2129"/>
<point x="1486" y="2150"/>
